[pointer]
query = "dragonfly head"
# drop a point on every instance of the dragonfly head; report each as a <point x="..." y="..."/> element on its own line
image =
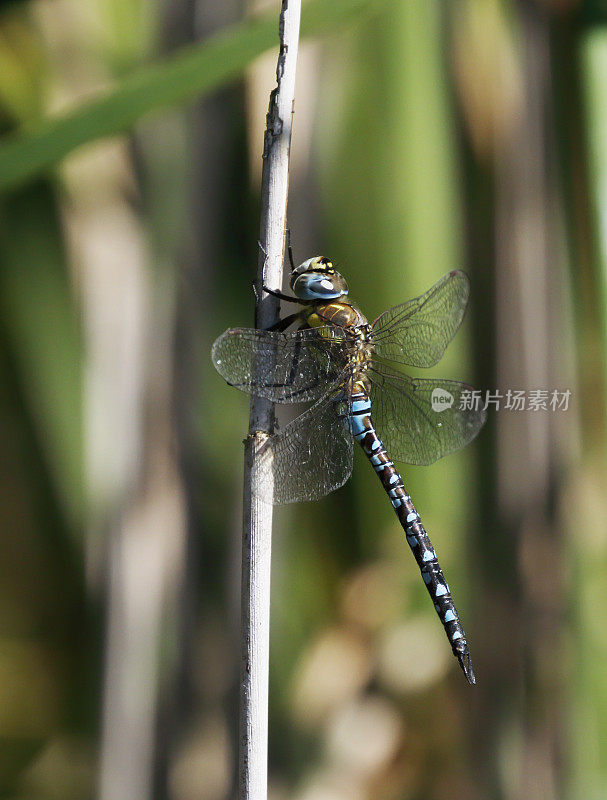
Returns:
<point x="317" y="279"/>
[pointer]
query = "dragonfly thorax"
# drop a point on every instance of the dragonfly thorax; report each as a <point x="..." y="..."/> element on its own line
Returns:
<point x="317" y="279"/>
<point x="362" y="353"/>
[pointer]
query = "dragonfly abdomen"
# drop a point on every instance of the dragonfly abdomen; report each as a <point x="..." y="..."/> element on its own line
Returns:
<point x="417" y="538"/>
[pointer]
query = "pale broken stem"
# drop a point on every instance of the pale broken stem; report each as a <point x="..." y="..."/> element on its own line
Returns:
<point x="257" y="516"/>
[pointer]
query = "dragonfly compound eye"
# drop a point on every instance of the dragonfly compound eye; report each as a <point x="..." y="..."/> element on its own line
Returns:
<point x="319" y="285"/>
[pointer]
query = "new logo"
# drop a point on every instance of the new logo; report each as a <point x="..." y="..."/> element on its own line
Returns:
<point x="441" y="400"/>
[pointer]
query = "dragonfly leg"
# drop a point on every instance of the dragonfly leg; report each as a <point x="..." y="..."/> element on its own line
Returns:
<point x="298" y="395"/>
<point x="290" y="250"/>
<point x="287" y="298"/>
<point x="284" y="323"/>
<point x="293" y="373"/>
<point x="291" y="377"/>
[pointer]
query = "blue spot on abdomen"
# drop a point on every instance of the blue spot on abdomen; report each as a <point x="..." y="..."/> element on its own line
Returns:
<point x="357" y="425"/>
<point x="361" y="405"/>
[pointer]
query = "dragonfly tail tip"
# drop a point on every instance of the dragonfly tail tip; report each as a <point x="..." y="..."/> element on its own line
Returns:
<point x="466" y="665"/>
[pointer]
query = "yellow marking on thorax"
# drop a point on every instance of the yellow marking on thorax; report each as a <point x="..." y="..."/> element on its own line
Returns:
<point x="336" y="313"/>
<point x="314" y="321"/>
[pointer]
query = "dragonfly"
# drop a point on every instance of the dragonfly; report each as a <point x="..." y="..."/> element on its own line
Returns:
<point x="349" y="370"/>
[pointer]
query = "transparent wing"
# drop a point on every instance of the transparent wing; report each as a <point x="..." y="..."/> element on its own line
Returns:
<point x="421" y="420"/>
<point x="416" y="333"/>
<point x="311" y="456"/>
<point x="283" y="367"/>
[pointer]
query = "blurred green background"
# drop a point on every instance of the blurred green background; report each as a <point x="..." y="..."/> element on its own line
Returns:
<point x="429" y="135"/>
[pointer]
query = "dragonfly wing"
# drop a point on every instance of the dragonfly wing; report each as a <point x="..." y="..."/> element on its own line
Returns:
<point x="403" y="411"/>
<point x="311" y="456"/>
<point x="416" y="333"/>
<point x="282" y="367"/>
